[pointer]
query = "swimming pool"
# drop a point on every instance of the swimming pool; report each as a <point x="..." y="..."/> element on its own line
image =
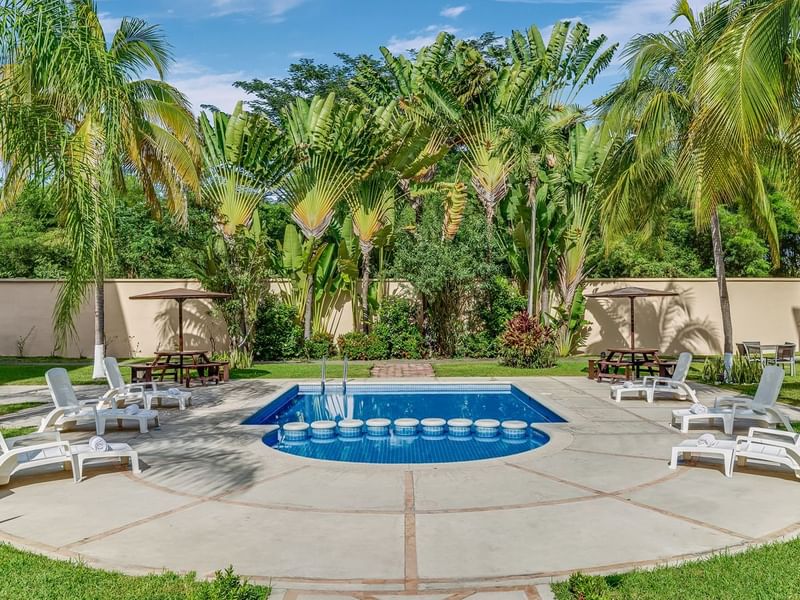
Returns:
<point x="455" y="422"/>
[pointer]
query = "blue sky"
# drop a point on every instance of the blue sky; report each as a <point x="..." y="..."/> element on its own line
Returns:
<point x="216" y="42"/>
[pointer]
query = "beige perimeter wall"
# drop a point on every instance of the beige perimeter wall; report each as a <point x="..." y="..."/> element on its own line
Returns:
<point x="767" y="310"/>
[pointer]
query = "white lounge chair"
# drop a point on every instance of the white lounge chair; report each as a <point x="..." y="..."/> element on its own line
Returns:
<point x="68" y="409"/>
<point x="760" y="444"/>
<point x="93" y="451"/>
<point x="770" y="446"/>
<point x="16" y="456"/>
<point x="145" y="392"/>
<point x="71" y="410"/>
<point x="651" y="385"/>
<point x="706" y="444"/>
<point x="760" y="408"/>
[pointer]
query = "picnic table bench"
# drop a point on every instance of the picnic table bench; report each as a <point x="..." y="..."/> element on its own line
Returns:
<point x="181" y="367"/>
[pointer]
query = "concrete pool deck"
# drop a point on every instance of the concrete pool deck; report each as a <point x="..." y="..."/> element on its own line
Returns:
<point x="599" y="497"/>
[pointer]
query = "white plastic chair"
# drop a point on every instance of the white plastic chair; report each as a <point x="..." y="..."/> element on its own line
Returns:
<point x="706" y="445"/>
<point x="68" y="409"/>
<point x="16" y="456"/>
<point x="760" y="408"/>
<point x="770" y="446"/>
<point x="651" y="384"/>
<point x="145" y="392"/>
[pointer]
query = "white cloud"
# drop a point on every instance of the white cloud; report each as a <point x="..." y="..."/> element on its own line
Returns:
<point x="202" y="86"/>
<point x="109" y="23"/>
<point x="273" y="10"/>
<point x="418" y="39"/>
<point x="453" y="12"/>
<point x="623" y="20"/>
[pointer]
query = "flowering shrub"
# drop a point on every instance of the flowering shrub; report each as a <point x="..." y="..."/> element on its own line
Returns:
<point x="526" y="342"/>
<point x="363" y="346"/>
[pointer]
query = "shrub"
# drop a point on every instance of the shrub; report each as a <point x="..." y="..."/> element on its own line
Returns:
<point x="498" y="304"/>
<point x="277" y="335"/>
<point x="477" y="345"/>
<point x="361" y="346"/>
<point x="397" y="328"/>
<point x="586" y="587"/>
<point x="227" y="585"/>
<point x="526" y="342"/>
<point x="320" y="345"/>
<point x="742" y="370"/>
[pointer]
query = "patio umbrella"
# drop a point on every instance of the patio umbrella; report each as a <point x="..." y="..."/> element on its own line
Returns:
<point x="631" y="293"/>
<point x="181" y="295"/>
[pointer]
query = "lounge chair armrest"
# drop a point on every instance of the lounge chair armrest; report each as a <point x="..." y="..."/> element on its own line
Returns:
<point x="92" y="402"/>
<point x="54" y="436"/>
<point x="757" y="432"/>
<point x="63" y="444"/>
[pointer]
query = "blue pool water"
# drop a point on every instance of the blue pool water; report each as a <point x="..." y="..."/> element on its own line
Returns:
<point x="391" y="401"/>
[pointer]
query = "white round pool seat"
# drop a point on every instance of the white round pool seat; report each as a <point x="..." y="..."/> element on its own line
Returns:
<point x="514" y="429"/>
<point x="487" y="428"/>
<point x="323" y="429"/>
<point x="350" y="427"/>
<point x="459" y="427"/>
<point x="406" y="426"/>
<point x="295" y="431"/>
<point x="433" y="426"/>
<point x="378" y="427"/>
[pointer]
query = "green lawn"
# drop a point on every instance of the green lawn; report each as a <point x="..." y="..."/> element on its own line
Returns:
<point x="301" y="370"/>
<point x="10" y="432"/>
<point x="29" y="576"/>
<point x="7" y="409"/>
<point x="764" y="573"/>
<point x="33" y="373"/>
<point x="492" y="368"/>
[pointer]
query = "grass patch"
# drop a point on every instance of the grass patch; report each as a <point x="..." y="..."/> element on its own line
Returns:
<point x="7" y="409"/>
<point x="301" y="370"/>
<point x="33" y="577"/>
<point x="33" y="374"/>
<point x="10" y="432"/>
<point x="771" y="571"/>
<point x="491" y="368"/>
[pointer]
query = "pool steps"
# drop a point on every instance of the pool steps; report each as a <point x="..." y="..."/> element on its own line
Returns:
<point x="431" y="427"/>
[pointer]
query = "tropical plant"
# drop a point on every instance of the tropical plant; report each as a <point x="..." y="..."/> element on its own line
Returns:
<point x="527" y="343"/>
<point x="243" y="160"/>
<point x="371" y="205"/>
<point x="74" y="118"/>
<point x="702" y="109"/>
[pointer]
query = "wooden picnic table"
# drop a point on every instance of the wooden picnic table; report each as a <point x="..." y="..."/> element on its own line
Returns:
<point x="180" y="365"/>
<point x="624" y="363"/>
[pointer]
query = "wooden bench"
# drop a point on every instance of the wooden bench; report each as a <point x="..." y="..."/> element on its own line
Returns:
<point x="145" y="373"/>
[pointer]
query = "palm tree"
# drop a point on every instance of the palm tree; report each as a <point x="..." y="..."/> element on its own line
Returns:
<point x="669" y="124"/>
<point x="75" y="119"/>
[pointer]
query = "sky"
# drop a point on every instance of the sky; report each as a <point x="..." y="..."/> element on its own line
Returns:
<point x="217" y="42"/>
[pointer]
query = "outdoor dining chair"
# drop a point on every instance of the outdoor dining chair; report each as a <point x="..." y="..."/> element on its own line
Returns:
<point x="785" y="355"/>
<point x="753" y="352"/>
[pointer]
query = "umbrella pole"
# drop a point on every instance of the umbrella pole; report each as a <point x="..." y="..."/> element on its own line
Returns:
<point x="632" y="324"/>
<point x="180" y="338"/>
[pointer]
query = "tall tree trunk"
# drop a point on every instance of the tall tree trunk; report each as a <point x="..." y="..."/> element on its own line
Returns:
<point x="98" y="371"/>
<point x="309" y="305"/>
<point x="722" y="284"/>
<point x="532" y="305"/>
<point x="366" y="249"/>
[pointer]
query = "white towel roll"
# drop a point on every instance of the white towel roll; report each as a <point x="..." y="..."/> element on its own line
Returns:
<point x="698" y="409"/>
<point x="132" y="409"/>
<point x="707" y="439"/>
<point x="627" y="384"/>
<point x="174" y="392"/>
<point x="98" y="444"/>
